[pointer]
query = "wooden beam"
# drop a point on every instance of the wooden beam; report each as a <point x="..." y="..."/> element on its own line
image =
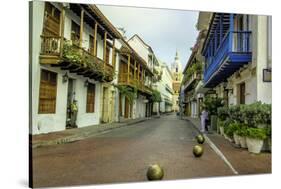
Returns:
<point x="135" y="69"/>
<point x="81" y="28"/>
<point x="62" y="18"/>
<point x="138" y="72"/>
<point x="113" y="55"/>
<point x="95" y="38"/>
<point x="128" y="69"/>
<point x="104" y="47"/>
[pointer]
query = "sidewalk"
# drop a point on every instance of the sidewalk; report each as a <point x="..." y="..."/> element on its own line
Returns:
<point x="242" y="161"/>
<point x="76" y="134"/>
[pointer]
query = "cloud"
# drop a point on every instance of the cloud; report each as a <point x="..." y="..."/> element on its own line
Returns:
<point x="163" y="29"/>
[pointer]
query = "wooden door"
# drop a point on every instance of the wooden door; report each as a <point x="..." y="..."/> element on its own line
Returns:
<point x="106" y="104"/>
<point x="127" y="108"/>
<point x="242" y="93"/>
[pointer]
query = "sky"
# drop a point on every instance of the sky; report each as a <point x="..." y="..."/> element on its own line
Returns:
<point x="164" y="30"/>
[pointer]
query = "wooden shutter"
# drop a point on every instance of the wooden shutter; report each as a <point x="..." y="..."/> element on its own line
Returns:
<point x="51" y="20"/>
<point x="48" y="92"/>
<point x="90" y="98"/>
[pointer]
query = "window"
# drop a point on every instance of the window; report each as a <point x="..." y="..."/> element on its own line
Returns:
<point x="90" y="98"/>
<point x="107" y="55"/>
<point x="91" y="45"/>
<point x="51" y="20"/>
<point x="48" y="92"/>
<point x="75" y="33"/>
<point x="242" y="93"/>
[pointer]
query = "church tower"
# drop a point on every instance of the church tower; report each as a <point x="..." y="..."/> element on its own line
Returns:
<point x="176" y="69"/>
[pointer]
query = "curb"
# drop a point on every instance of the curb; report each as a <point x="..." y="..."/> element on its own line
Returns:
<point x="78" y="137"/>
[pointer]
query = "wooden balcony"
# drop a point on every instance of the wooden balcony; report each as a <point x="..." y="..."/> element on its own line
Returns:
<point x="139" y="84"/>
<point x="226" y="49"/>
<point x="189" y="84"/>
<point x="58" y="52"/>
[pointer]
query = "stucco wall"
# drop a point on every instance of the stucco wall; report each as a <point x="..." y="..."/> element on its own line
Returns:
<point x="44" y="123"/>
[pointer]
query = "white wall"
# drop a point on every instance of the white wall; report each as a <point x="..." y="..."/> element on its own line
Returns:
<point x="44" y="123"/>
<point x="264" y="89"/>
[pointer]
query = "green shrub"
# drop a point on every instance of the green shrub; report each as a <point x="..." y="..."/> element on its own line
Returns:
<point x="223" y="113"/>
<point x="233" y="127"/>
<point x="212" y="104"/>
<point x="242" y="131"/>
<point x="257" y="133"/>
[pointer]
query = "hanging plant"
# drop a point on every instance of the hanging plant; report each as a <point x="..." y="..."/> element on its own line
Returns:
<point x="126" y="91"/>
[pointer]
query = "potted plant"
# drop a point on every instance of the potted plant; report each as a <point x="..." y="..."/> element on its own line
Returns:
<point x="241" y="135"/>
<point x="222" y="115"/>
<point x="233" y="127"/>
<point x="212" y="104"/>
<point x="255" y="138"/>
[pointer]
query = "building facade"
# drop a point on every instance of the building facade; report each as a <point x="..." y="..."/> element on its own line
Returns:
<point x="136" y="76"/>
<point x="73" y="60"/>
<point x="237" y="53"/>
<point x="165" y="87"/>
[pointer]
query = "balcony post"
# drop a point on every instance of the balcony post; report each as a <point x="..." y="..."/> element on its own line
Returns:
<point x="221" y="27"/>
<point x="135" y="69"/>
<point x="81" y="28"/>
<point x="104" y="47"/>
<point x="62" y="18"/>
<point x="128" y="76"/>
<point x="113" y="54"/>
<point x="231" y="28"/>
<point x="104" y="51"/>
<point x="95" y="39"/>
<point x="216" y="39"/>
<point x="138" y="72"/>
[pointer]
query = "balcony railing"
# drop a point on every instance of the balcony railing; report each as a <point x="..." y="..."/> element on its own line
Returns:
<point x="195" y="76"/>
<point x="123" y="80"/>
<point x="50" y="45"/>
<point x="235" y="47"/>
<point x="73" y="54"/>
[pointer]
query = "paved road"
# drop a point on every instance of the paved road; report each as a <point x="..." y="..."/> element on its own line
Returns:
<point x="124" y="154"/>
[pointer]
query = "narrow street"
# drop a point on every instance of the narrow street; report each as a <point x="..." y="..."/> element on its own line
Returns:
<point x="124" y="154"/>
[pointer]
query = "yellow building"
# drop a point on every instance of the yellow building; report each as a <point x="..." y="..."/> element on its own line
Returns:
<point x="176" y="69"/>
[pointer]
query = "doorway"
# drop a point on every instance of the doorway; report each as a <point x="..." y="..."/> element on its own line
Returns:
<point x="242" y="90"/>
<point x="106" y="103"/>
<point x="70" y="98"/>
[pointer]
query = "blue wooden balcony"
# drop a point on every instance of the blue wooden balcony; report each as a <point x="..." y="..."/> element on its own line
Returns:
<point x="225" y="50"/>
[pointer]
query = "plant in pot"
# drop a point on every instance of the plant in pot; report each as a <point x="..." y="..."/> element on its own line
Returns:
<point x="268" y="133"/>
<point x="212" y="104"/>
<point x="255" y="138"/>
<point x="241" y="135"/>
<point x="222" y="115"/>
<point x="233" y="127"/>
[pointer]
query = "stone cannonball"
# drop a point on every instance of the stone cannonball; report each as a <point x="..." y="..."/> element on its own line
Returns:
<point x="155" y="172"/>
<point x="198" y="150"/>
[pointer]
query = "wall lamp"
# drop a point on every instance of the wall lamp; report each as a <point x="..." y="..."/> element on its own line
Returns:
<point x="65" y="78"/>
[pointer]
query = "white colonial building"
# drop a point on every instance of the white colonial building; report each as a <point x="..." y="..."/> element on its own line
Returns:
<point x="237" y="54"/>
<point x="165" y="87"/>
<point x="73" y="57"/>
